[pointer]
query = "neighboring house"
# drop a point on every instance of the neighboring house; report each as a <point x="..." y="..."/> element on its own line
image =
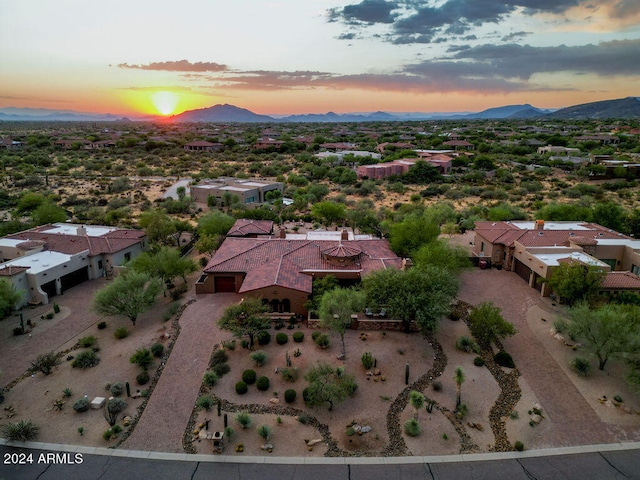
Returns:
<point x="459" y="145"/>
<point x="558" y="149"/>
<point x="399" y="167"/>
<point x="265" y="143"/>
<point x="10" y="144"/>
<point x="248" y="228"/>
<point x="202" y="146"/>
<point x="247" y="191"/>
<point x="533" y="249"/>
<point x="281" y="270"/>
<point x="47" y="260"/>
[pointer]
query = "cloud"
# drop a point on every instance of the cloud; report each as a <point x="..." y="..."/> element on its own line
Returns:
<point x="514" y="36"/>
<point x="178" y="66"/>
<point x="422" y="21"/>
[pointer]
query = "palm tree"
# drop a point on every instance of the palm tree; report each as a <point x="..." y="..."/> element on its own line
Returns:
<point x="458" y="376"/>
<point x="417" y="401"/>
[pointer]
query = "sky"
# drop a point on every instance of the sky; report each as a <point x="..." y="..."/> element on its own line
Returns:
<point x="315" y="56"/>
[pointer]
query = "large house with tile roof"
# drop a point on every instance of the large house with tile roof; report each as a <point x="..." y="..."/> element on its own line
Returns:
<point x="49" y="259"/>
<point x="281" y="270"/>
<point x="533" y="249"/>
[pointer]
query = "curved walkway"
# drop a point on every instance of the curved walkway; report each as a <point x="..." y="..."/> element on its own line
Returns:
<point x="574" y="420"/>
<point x="163" y="421"/>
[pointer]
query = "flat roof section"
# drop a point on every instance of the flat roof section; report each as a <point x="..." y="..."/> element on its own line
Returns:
<point x="551" y="225"/>
<point x="39" y="262"/>
<point x="72" y="229"/>
<point x="552" y="259"/>
<point x="10" y="242"/>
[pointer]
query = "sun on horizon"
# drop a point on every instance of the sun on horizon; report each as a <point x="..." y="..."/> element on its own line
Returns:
<point x="165" y="102"/>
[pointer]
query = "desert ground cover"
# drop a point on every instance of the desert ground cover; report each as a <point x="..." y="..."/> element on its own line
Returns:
<point x="381" y="405"/>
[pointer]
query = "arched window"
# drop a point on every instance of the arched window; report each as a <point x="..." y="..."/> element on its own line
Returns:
<point x="286" y="305"/>
<point x="275" y="305"/>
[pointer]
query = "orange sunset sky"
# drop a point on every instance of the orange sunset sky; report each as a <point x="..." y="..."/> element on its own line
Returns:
<point x="314" y="56"/>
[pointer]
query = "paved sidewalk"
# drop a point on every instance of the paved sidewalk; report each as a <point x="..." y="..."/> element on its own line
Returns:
<point x="574" y="420"/>
<point x="167" y="414"/>
<point x="16" y="353"/>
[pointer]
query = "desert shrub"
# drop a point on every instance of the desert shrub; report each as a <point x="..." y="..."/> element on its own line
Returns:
<point x="45" y="362"/>
<point x="305" y="396"/>
<point x="437" y="386"/>
<point x="290" y="395"/>
<point x="157" y="349"/>
<point x="298" y="337"/>
<point x="102" y="325"/>
<point x="81" y="405"/>
<point x="290" y="374"/>
<point x="322" y="340"/>
<point x="116" y="429"/>
<point x="259" y="357"/>
<point x="142" y="358"/>
<point x="204" y="402"/>
<point x="23" y="431"/>
<point x="249" y="377"/>
<point x="503" y="359"/>
<point x="263" y="337"/>
<point x="462" y="411"/>
<point x="120" y="333"/>
<point x="581" y="366"/>
<point x="519" y="446"/>
<point x="265" y="432"/>
<point x="210" y="379"/>
<point x="85" y="359"/>
<point x="243" y="419"/>
<point x="262" y="383"/>
<point x="367" y="360"/>
<point x="465" y="344"/>
<point x="229" y="344"/>
<point x="117" y="389"/>
<point x="241" y="388"/>
<point x="107" y="434"/>
<point x="86" y="342"/>
<point x="282" y="338"/>
<point x="218" y="357"/>
<point x="18" y="331"/>
<point x="305" y="418"/>
<point x="221" y="369"/>
<point x="412" y="427"/>
<point x="478" y="361"/>
<point x="67" y="392"/>
<point x="315" y="335"/>
<point x="560" y="326"/>
<point x="56" y="308"/>
<point x="142" y="378"/>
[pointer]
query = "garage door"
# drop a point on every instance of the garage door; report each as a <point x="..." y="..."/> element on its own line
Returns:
<point x="225" y="284"/>
<point x="522" y="270"/>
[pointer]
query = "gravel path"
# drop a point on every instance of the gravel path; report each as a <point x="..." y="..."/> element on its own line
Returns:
<point x="162" y="423"/>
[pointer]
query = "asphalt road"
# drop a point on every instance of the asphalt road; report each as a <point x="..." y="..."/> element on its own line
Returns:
<point x="605" y="465"/>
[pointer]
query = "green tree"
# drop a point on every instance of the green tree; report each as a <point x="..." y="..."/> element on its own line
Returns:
<point x="423" y="294"/>
<point x="414" y="231"/>
<point x="166" y="264"/>
<point x="28" y="202"/>
<point x="9" y="297"/>
<point x="158" y="226"/>
<point x="215" y="223"/>
<point x="319" y="288"/>
<point x="208" y="244"/>
<point x="611" y="330"/>
<point x="328" y="384"/>
<point x="336" y="307"/>
<point x="328" y="212"/>
<point x="458" y="377"/>
<point x="48" y="212"/>
<point x="246" y="318"/>
<point x="439" y="253"/>
<point x="142" y="358"/>
<point x="129" y="294"/>
<point x="112" y="409"/>
<point x="487" y="324"/>
<point x="45" y="362"/>
<point x="574" y="281"/>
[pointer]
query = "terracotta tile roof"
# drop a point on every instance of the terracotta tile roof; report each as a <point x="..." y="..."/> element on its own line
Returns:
<point x="12" y="270"/>
<point x="621" y="281"/>
<point x="548" y="238"/>
<point x="111" y="242"/>
<point x="246" y="226"/>
<point x="290" y="263"/>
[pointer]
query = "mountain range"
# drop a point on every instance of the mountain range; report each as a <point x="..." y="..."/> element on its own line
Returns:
<point x="628" y="107"/>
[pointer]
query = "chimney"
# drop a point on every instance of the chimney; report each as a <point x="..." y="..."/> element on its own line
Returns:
<point x="344" y="235"/>
<point x="539" y="225"/>
<point x="283" y="233"/>
<point x="81" y="231"/>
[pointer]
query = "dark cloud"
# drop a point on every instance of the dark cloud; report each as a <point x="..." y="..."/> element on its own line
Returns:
<point x="625" y="8"/>
<point x="367" y="12"/>
<point x="178" y="66"/>
<point x="515" y="36"/>
<point x="347" y="36"/>
<point x="414" y="21"/>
